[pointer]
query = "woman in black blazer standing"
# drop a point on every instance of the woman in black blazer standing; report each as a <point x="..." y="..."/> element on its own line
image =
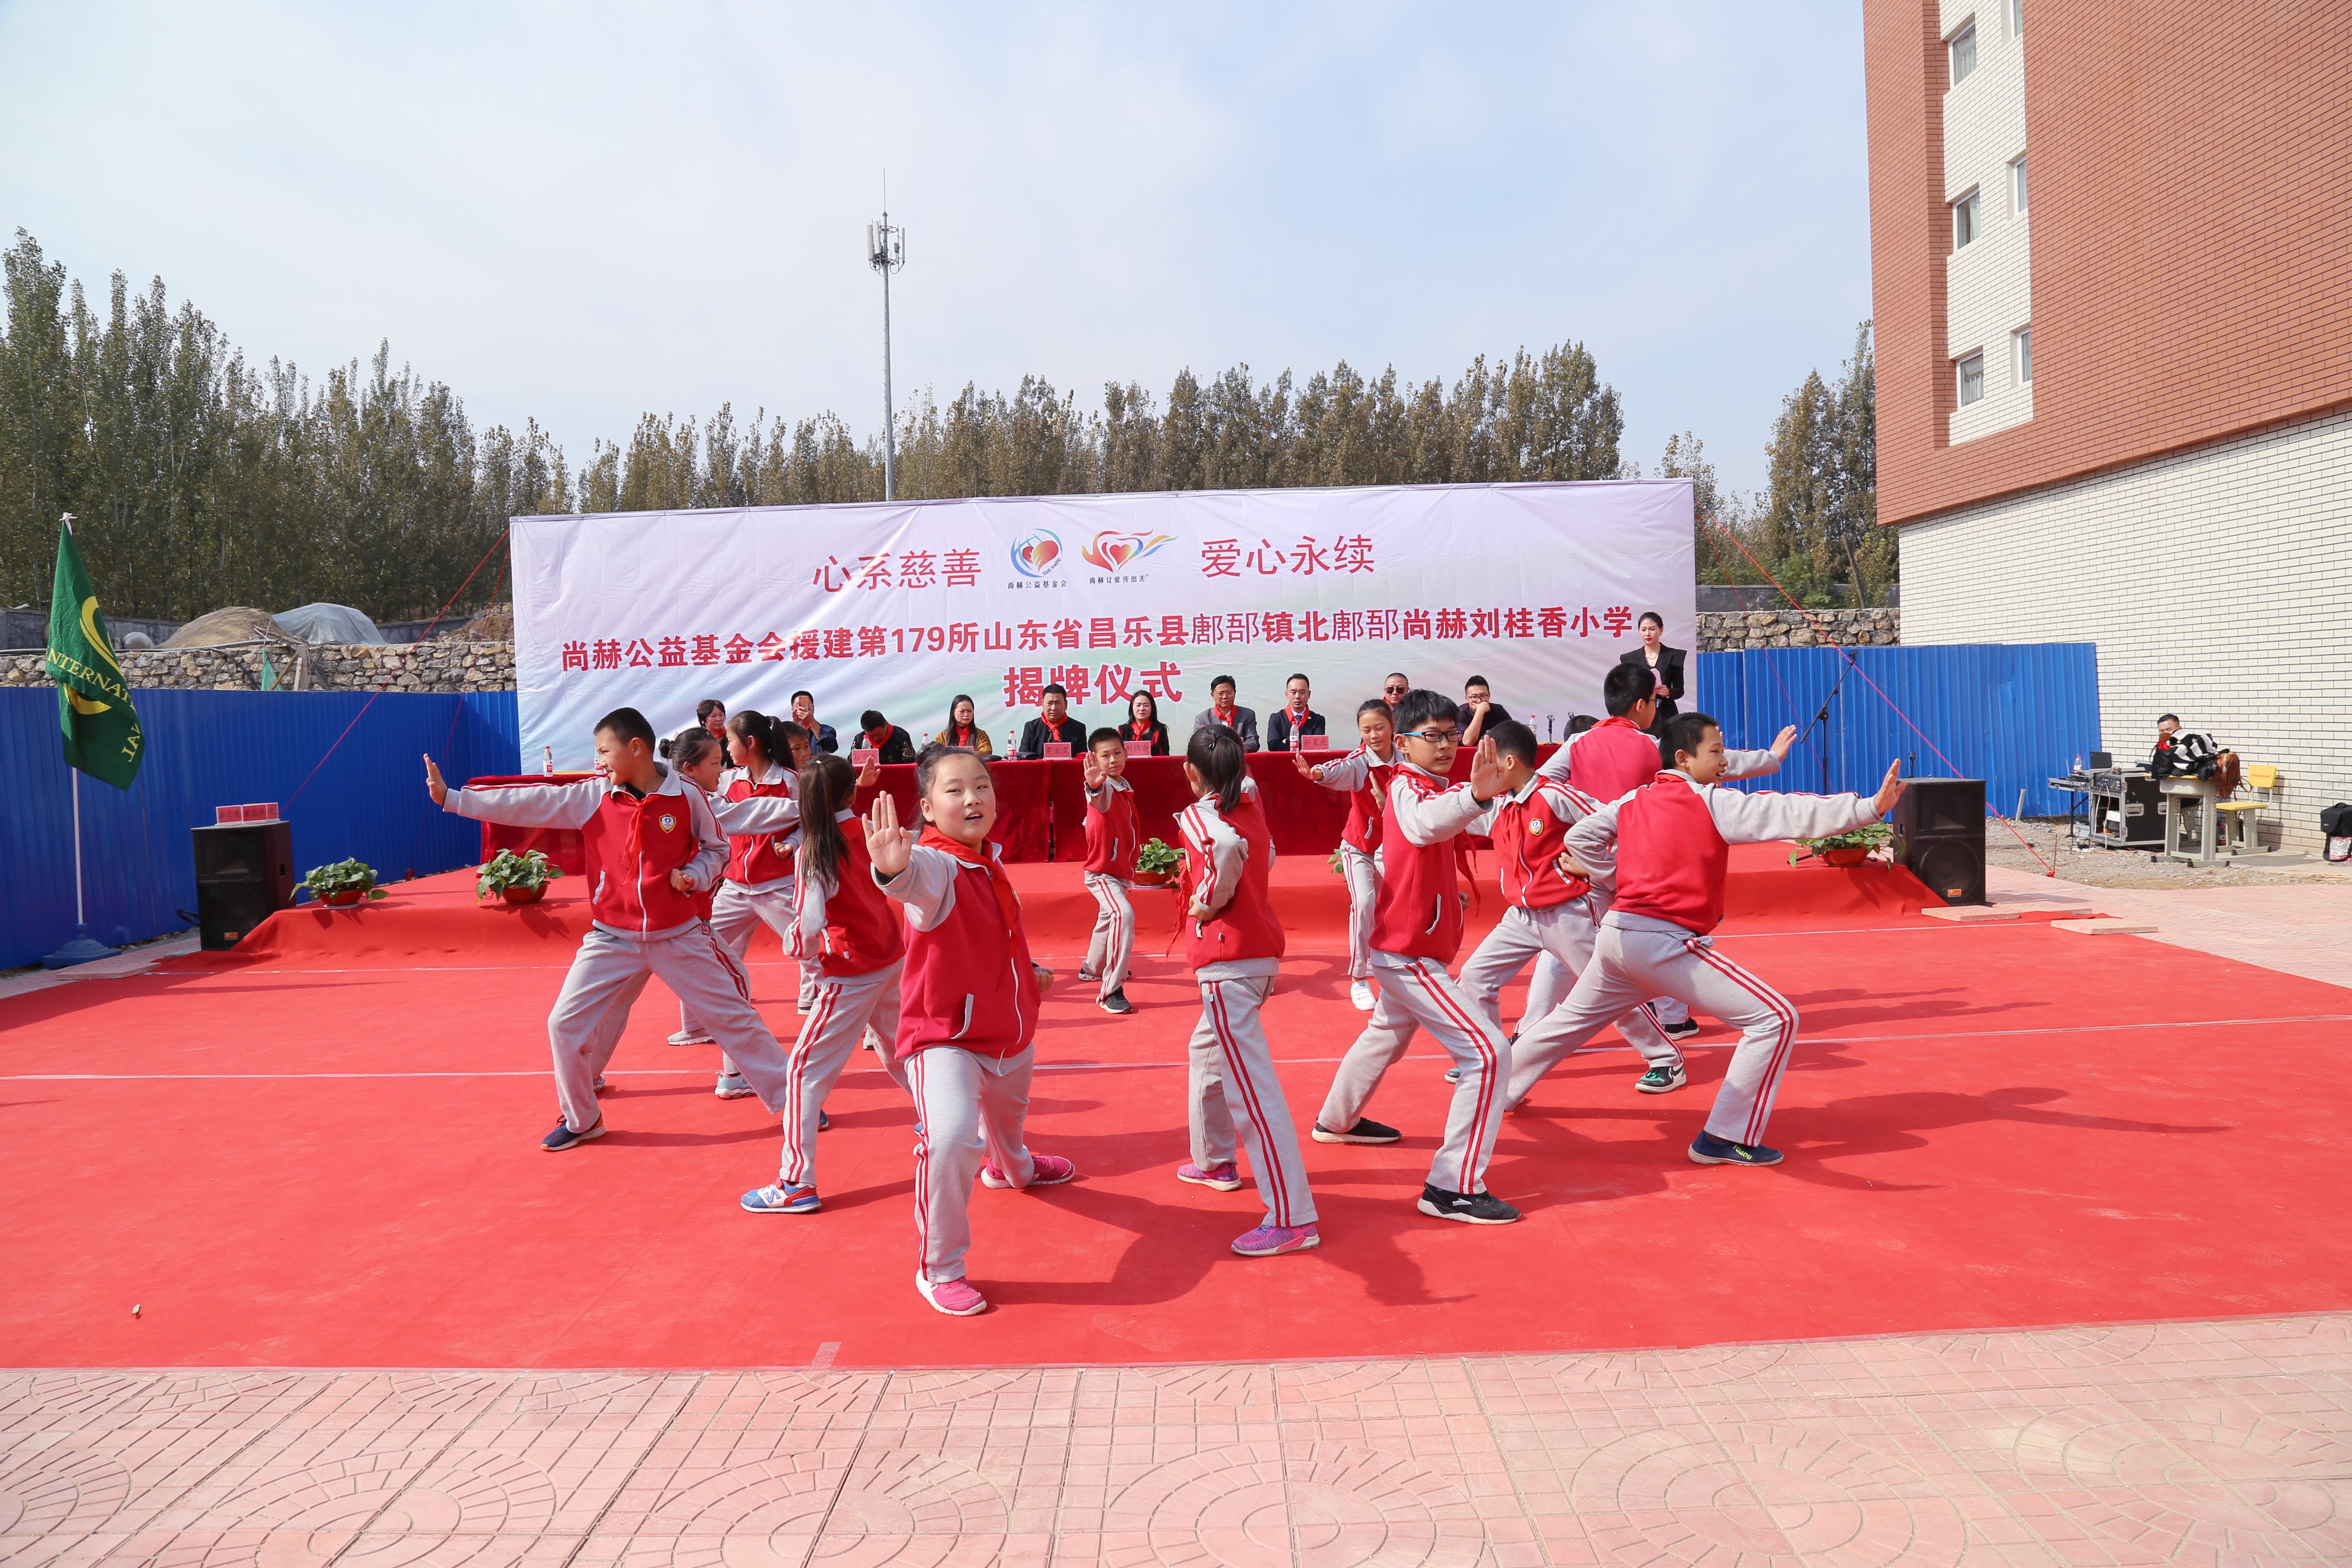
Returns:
<point x="1665" y="663"/>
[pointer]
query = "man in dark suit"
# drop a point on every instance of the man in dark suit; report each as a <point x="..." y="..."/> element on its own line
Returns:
<point x="1663" y="662"/>
<point x="879" y="734"/>
<point x="1296" y="719"/>
<point x="1053" y="724"/>
<point x="1222" y="711"/>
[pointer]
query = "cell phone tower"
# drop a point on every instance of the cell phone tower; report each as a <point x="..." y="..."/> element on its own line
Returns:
<point x="885" y="252"/>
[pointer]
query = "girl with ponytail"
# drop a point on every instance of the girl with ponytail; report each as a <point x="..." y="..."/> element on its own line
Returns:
<point x="843" y="925"/>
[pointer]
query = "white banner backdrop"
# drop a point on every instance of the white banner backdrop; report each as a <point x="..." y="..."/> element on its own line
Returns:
<point x="900" y="606"/>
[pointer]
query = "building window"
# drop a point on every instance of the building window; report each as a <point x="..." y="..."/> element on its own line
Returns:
<point x="2017" y="19"/>
<point x="1966" y="223"/>
<point x="2017" y="186"/>
<point x="2021" y="355"/>
<point x="1971" y="379"/>
<point x="1964" y="53"/>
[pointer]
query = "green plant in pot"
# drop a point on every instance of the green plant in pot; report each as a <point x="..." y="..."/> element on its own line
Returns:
<point x="517" y="878"/>
<point x="342" y="884"/>
<point x="1852" y="847"/>
<point x="1155" y="864"/>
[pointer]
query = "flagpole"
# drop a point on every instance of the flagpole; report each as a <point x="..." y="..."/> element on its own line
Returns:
<point x="81" y="949"/>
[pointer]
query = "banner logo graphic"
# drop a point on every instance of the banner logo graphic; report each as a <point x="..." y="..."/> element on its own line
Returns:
<point x="1038" y="555"/>
<point x="1112" y="550"/>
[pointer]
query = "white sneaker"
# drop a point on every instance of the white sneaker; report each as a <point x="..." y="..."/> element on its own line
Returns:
<point x="1361" y="993"/>
<point x="732" y="1086"/>
<point x="691" y="1037"/>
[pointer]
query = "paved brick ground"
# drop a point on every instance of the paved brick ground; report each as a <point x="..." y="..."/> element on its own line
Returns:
<point x="2208" y="1443"/>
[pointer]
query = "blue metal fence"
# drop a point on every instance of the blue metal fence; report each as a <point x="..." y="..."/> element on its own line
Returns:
<point x="2013" y="714"/>
<point x="218" y="748"/>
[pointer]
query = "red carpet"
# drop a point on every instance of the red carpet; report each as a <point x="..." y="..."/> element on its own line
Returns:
<point x="321" y="1151"/>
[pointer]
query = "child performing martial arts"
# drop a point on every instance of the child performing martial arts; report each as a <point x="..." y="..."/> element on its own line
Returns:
<point x="1417" y="932"/>
<point x="652" y="847"/>
<point x="843" y="922"/>
<point x="1546" y="912"/>
<point x="1363" y="773"/>
<point x="968" y="1012"/>
<point x="1112" y="834"/>
<point x="1662" y="850"/>
<point x="1234" y="943"/>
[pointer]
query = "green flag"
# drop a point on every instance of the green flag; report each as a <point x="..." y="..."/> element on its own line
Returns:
<point x="102" y="729"/>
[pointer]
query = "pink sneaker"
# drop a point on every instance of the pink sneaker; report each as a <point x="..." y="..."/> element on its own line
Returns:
<point x="1052" y="1172"/>
<point x="956" y="1298"/>
<point x="1225" y="1178"/>
<point x="1273" y="1240"/>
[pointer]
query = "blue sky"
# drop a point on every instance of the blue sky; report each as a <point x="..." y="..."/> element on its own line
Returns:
<point x="579" y="212"/>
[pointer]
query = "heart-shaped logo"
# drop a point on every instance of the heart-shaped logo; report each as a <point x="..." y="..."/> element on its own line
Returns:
<point x="1038" y="554"/>
<point x="1110" y="551"/>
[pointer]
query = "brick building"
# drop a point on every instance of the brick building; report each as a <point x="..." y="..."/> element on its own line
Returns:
<point x="2112" y="260"/>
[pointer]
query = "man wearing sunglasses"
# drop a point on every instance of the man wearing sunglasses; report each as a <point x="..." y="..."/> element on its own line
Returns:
<point x="1393" y="688"/>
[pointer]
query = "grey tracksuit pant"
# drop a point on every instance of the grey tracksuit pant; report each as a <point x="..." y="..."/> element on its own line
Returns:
<point x="736" y="911"/>
<point x="1417" y="994"/>
<point x="1233" y="1089"/>
<point x="1552" y="981"/>
<point x="1363" y="875"/>
<point x="846" y="1006"/>
<point x="971" y="1111"/>
<point x="1563" y="934"/>
<point x="1110" y="950"/>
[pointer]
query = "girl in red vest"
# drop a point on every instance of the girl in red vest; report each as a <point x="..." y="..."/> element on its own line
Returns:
<point x="652" y="847"/>
<point x="1363" y="775"/>
<point x="843" y="921"/>
<point x="1112" y="829"/>
<point x="1235" y="944"/>
<point x="1661" y="852"/>
<point x="755" y="807"/>
<point x="1417" y="932"/>
<point x="968" y="1012"/>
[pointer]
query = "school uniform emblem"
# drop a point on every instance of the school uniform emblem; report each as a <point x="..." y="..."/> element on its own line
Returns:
<point x="1535" y="825"/>
<point x="668" y="822"/>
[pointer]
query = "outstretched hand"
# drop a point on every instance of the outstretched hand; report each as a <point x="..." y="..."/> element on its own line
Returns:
<point x="1306" y="769"/>
<point x="1091" y="769"/>
<point x="1782" y="741"/>
<point x="890" y="846"/>
<point x="871" y="774"/>
<point x="434" y="783"/>
<point x="1487" y="776"/>
<point x="1891" y="789"/>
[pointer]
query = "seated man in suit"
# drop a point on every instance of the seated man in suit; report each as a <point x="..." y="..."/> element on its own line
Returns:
<point x="1053" y="724"/>
<point x="1241" y="722"/>
<point x="877" y="733"/>
<point x="1288" y="724"/>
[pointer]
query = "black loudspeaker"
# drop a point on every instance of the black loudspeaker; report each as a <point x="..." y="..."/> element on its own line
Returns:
<point x="244" y="870"/>
<point x="1942" y="824"/>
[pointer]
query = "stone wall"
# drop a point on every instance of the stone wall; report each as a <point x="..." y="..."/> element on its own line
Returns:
<point x="438" y="666"/>
<point x="1730" y="630"/>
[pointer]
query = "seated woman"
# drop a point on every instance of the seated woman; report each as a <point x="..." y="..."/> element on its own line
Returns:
<point x="1143" y="726"/>
<point x="881" y="735"/>
<point x="963" y="728"/>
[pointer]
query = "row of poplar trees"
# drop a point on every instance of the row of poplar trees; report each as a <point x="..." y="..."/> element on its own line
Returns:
<point x="199" y="479"/>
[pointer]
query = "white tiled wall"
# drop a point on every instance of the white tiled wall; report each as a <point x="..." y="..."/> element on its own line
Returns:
<point x="2217" y="585"/>
<point x="1988" y="292"/>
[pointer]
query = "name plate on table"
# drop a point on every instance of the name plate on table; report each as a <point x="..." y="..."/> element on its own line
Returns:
<point x="1058" y="751"/>
<point x="1314" y="743"/>
<point x="1136" y="749"/>
<point x="865" y="754"/>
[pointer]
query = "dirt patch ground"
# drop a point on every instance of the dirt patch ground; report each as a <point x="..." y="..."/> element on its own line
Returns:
<point x="2123" y="867"/>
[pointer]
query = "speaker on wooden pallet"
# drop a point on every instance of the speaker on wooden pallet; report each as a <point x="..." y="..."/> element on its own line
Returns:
<point x="244" y="870"/>
<point x="1942" y="824"/>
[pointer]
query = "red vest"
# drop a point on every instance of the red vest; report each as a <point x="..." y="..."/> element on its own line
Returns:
<point x="1419" y="912"/>
<point x="1367" y="807"/>
<point x="968" y="981"/>
<point x="1670" y="857"/>
<point x="1528" y="835"/>
<point x="1612" y="758"/>
<point x="757" y="858"/>
<point x="1111" y="836"/>
<point x="863" y="931"/>
<point x="1246" y="927"/>
<point x="631" y="847"/>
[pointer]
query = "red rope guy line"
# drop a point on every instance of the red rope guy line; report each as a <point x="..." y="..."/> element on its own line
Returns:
<point x="1822" y="635"/>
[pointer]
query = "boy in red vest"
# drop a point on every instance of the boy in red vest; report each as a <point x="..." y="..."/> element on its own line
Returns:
<point x="1661" y="851"/>
<point x="968" y="1012"/>
<point x="1234" y="943"/>
<point x="653" y="849"/>
<point x="1111" y="833"/>
<point x="853" y="933"/>
<point x="1547" y="912"/>
<point x="1363" y="775"/>
<point x="1417" y="932"/>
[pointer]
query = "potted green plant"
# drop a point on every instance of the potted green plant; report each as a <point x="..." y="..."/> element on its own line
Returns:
<point x="1851" y="847"/>
<point x="1155" y="865"/>
<point x="517" y="878"/>
<point x="342" y="884"/>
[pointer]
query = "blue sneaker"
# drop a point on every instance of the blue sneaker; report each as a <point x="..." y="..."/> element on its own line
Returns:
<point x="564" y="1138"/>
<point x="781" y="1200"/>
<point x="822" y="1122"/>
<point x="1706" y="1149"/>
